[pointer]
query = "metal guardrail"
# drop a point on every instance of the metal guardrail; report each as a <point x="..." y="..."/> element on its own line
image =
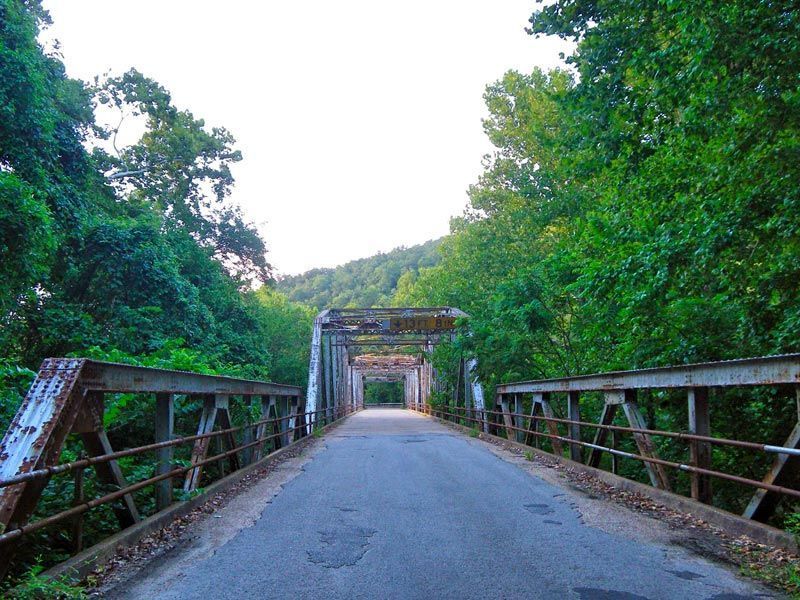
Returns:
<point x="619" y="390"/>
<point x="67" y="396"/>
<point x="765" y="370"/>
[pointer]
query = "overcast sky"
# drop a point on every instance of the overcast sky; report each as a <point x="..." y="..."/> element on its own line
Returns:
<point x="359" y="120"/>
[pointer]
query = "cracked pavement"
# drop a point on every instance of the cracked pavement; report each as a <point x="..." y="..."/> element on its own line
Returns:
<point x="394" y="505"/>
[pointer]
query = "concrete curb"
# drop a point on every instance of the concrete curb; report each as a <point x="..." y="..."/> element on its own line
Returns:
<point x="82" y="564"/>
<point x="732" y="524"/>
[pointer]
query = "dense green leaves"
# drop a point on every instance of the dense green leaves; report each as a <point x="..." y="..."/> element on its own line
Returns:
<point x="133" y="249"/>
<point x="641" y="210"/>
<point x="25" y="240"/>
<point x="130" y="253"/>
<point x="182" y="168"/>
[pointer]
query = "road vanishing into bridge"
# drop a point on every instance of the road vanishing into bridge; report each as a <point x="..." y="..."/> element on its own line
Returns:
<point x="392" y="504"/>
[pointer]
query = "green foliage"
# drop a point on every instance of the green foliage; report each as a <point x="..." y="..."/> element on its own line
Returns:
<point x="438" y="399"/>
<point x="137" y="251"/>
<point x="640" y="210"/>
<point x="26" y="240"/>
<point x="174" y="165"/>
<point x="366" y="282"/>
<point x="792" y="524"/>
<point x="131" y="254"/>
<point x="286" y="327"/>
<point x="183" y="496"/>
<point x="383" y="393"/>
<point x="14" y="382"/>
<point x="35" y="587"/>
<point x="786" y="578"/>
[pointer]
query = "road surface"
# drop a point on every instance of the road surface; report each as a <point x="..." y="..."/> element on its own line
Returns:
<point x="398" y="506"/>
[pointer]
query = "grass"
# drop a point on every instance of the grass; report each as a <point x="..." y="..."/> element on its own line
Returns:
<point x="786" y="578"/>
<point x="33" y="586"/>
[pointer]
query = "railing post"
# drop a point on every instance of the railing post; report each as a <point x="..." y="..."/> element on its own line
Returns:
<point x="248" y="433"/>
<point x="614" y="457"/>
<point x="165" y="422"/>
<point x="700" y="452"/>
<point x="611" y="401"/>
<point x="574" y="414"/>
<point x="207" y="419"/>
<point x="507" y="422"/>
<point x="518" y="418"/>
<point x="283" y="415"/>
<point x="294" y="411"/>
<point x="657" y="473"/>
<point x="785" y="471"/>
<point x="552" y="427"/>
<point x="227" y="440"/>
<point x="78" y="498"/>
<point x="89" y="425"/>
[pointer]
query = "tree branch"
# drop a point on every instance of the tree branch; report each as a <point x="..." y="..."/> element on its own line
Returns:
<point x="123" y="174"/>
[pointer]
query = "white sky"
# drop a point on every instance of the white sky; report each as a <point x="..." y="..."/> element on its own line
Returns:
<point x="359" y="120"/>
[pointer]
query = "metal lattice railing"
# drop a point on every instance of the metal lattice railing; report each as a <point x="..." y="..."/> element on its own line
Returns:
<point x="68" y="397"/>
<point x="619" y="390"/>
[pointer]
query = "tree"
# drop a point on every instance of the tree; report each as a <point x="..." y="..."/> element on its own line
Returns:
<point x="364" y="282"/>
<point x="643" y="212"/>
<point x="182" y="168"/>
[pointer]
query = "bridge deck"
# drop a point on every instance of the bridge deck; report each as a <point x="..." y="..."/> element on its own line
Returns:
<point x="397" y="506"/>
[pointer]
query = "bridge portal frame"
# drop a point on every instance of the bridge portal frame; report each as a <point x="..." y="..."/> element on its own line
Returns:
<point x="331" y="378"/>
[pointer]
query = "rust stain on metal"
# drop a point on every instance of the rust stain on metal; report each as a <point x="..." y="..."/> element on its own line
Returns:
<point x="67" y="396"/>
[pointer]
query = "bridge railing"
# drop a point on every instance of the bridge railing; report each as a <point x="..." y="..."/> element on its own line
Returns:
<point x="68" y="396"/>
<point x="522" y="407"/>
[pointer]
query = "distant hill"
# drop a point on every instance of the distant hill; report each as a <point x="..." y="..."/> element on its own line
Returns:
<point x="365" y="282"/>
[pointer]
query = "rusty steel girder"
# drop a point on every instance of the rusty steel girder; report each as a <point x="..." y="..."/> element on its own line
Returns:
<point x="767" y="370"/>
<point x="620" y="389"/>
<point x="36" y="434"/>
<point x="336" y="374"/>
<point x="67" y="397"/>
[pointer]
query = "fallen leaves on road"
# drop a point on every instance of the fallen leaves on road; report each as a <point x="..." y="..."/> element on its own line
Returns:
<point x="129" y="559"/>
<point x="775" y="566"/>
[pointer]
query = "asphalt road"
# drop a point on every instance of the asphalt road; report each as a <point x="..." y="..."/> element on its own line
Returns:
<point x="398" y="506"/>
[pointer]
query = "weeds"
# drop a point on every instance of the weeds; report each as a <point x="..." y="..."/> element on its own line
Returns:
<point x="33" y="586"/>
<point x="786" y="578"/>
<point x="183" y="496"/>
<point x="792" y="525"/>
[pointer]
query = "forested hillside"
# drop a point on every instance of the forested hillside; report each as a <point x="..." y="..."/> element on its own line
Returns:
<point x="365" y="282"/>
<point x="129" y="252"/>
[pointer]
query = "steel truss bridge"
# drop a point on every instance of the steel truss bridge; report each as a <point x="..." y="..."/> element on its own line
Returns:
<point x="235" y="424"/>
<point x="399" y="341"/>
